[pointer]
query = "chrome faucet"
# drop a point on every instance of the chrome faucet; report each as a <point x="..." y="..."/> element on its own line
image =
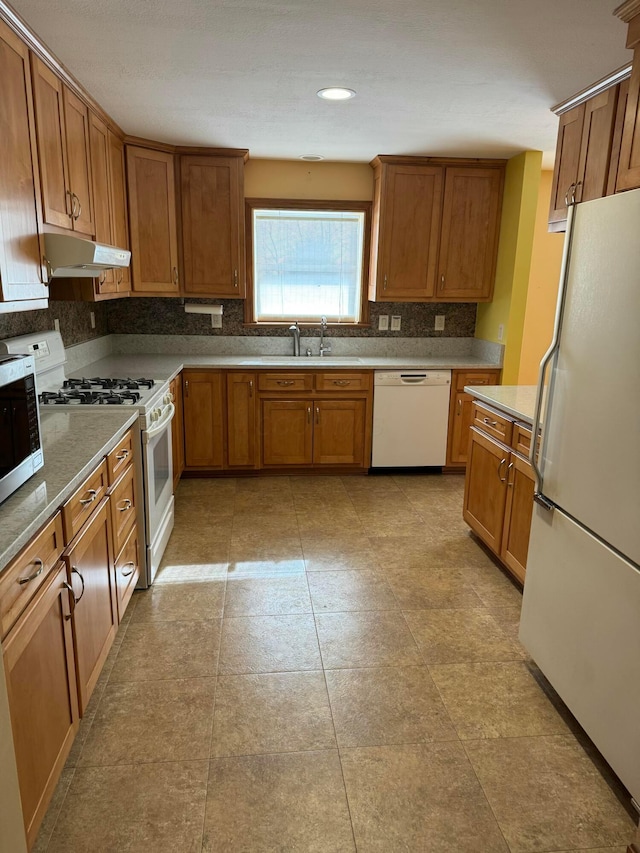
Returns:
<point x="295" y="331"/>
<point x="323" y="329"/>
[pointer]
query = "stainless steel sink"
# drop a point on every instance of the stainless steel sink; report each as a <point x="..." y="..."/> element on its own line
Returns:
<point x="300" y="361"/>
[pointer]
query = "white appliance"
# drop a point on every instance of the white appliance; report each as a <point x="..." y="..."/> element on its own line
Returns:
<point x="76" y="257"/>
<point x="410" y="418"/>
<point x="581" y="609"/>
<point x="155" y="408"/>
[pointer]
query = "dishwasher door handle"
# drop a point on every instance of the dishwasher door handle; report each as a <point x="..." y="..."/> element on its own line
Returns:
<point x="413" y="380"/>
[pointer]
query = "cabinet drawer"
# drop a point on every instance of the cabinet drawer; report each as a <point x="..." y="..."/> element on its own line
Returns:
<point x="78" y="509"/>
<point x="521" y="439"/>
<point x="487" y="377"/>
<point x="285" y="381"/>
<point x="123" y="508"/>
<point x="492" y="423"/>
<point x="28" y="571"/>
<point x="342" y="381"/>
<point x="127" y="571"/>
<point x="120" y="457"/>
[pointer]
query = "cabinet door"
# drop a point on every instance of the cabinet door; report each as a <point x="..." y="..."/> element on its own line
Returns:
<point x="618" y="127"/>
<point x="119" y="220"/>
<point x="241" y="420"/>
<point x="595" y="151"/>
<point x="565" y="172"/>
<point x="21" y="272"/>
<point x="203" y="414"/>
<point x="99" y="140"/>
<point x="177" y="430"/>
<point x="152" y="208"/>
<point x="410" y="211"/>
<point x="629" y="169"/>
<point x="339" y="432"/>
<point x="287" y="432"/>
<point x="95" y="614"/>
<point x="461" y="416"/>
<point x="76" y="122"/>
<point x="43" y="697"/>
<point x="517" y="519"/>
<point x="485" y="488"/>
<point x="470" y="228"/>
<point x="52" y="145"/>
<point x="213" y="225"/>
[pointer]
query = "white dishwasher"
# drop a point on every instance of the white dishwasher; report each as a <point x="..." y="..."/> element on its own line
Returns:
<point x="410" y="418"/>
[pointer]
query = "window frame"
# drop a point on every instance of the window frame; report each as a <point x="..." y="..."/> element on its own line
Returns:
<point x="252" y="204"/>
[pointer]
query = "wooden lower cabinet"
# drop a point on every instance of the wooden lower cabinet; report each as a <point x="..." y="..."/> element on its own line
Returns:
<point x="203" y="419"/>
<point x="127" y="571"/>
<point x="287" y="432"/>
<point x="177" y="429"/>
<point x="43" y="696"/>
<point x="460" y="412"/>
<point x="339" y="432"/>
<point x="517" y="519"/>
<point x="95" y="614"/>
<point x="241" y="420"/>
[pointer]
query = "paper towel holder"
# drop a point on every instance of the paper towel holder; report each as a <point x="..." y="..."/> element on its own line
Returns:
<point x="215" y="311"/>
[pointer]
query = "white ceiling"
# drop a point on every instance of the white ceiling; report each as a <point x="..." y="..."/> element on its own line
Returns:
<point x="461" y="77"/>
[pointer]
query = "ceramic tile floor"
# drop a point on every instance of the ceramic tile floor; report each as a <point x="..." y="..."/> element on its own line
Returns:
<point x="328" y="664"/>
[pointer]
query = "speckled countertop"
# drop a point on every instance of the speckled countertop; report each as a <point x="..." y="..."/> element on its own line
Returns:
<point x="163" y="367"/>
<point x="74" y="442"/>
<point x="518" y="401"/>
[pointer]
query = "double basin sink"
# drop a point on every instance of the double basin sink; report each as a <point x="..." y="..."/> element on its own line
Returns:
<point x="299" y="361"/>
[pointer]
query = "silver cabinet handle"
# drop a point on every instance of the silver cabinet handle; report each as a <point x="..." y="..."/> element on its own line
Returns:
<point x="317" y="414"/>
<point x="509" y="467"/>
<point x="175" y="275"/>
<point x="186" y="387"/>
<point x="570" y="195"/>
<point x="442" y="278"/>
<point x="251" y="387"/>
<point x="76" y="571"/>
<point x="384" y="283"/>
<point x="285" y="381"/>
<point x="78" y="213"/>
<point x="37" y="562"/>
<point x="70" y="195"/>
<point x="120" y="277"/>
<point x="308" y="414"/>
<point x="459" y="406"/>
<point x="342" y="382"/>
<point x="131" y="571"/>
<point x="490" y="422"/>
<point x="127" y="505"/>
<point x="72" y="599"/>
<point x="121" y="456"/>
<point x="92" y="496"/>
<point x="502" y="462"/>
<point x="235" y="278"/>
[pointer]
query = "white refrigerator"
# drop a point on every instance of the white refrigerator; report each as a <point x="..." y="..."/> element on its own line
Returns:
<point x="581" y="607"/>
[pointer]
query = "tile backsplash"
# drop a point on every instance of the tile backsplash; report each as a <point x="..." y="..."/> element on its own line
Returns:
<point x="74" y="317"/>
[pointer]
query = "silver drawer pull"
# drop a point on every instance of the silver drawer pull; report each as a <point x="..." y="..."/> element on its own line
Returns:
<point x="72" y="599"/>
<point x="502" y="462"/>
<point x="76" y="571"/>
<point x="127" y="505"/>
<point x="92" y="496"/>
<point x="37" y="562"/>
<point x="285" y="381"/>
<point x="490" y="422"/>
<point x="121" y="456"/>
<point x="342" y="382"/>
<point x="131" y="570"/>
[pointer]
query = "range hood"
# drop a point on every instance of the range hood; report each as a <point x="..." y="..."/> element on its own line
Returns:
<point x="75" y="257"/>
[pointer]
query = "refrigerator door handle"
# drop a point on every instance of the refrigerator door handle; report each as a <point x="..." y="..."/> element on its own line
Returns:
<point x="546" y="358"/>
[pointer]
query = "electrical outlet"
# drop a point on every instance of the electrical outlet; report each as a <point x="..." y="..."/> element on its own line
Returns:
<point x="501" y="331"/>
<point x="439" y="324"/>
<point x="383" y="323"/>
<point x="216" y="321"/>
<point x="56" y="324"/>
<point x="396" y="321"/>
<point x="92" y="318"/>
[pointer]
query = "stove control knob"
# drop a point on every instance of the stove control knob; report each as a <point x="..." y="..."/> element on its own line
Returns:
<point x="168" y="398"/>
<point x="154" y="415"/>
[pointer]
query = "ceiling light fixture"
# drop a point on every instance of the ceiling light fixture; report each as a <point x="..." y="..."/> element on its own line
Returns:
<point x="311" y="158"/>
<point x="336" y="93"/>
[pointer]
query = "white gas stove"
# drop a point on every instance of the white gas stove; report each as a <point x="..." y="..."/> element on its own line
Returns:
<point x="154" y="403"/>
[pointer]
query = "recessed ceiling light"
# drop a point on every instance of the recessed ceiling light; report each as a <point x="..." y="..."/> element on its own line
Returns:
<point x="311" y="158"/>
<point x="336" y="93"/>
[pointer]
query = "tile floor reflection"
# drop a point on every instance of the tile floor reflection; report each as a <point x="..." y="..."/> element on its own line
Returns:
<point x="328" y="664"/>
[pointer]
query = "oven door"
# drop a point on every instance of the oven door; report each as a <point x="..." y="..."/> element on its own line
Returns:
<point x="158" y="472"/>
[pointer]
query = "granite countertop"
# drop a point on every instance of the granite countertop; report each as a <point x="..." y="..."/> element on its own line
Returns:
<point x="165" y="367"/>
<point x="74" y="442"/>
<point x="517" y="401"/>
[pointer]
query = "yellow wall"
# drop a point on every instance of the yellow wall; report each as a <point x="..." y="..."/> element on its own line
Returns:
<point x="297" y="179"/>
<point x="543" y="288"/>
<point x="522" y="181"/>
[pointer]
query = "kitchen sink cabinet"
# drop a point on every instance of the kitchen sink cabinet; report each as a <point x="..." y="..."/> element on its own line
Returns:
<point x="339" y="432"/>
<point x="62" y="130"/>
<point x="204" y="412"/>
<point x="435" y="229"/>
<point x="152" y="220"/>
<point x="43" y="698"/>
<point x="22" y="274"/>
<point x="460" y="412"/>
<point x="177" y="429"/>
<point x="241" y="420"/>
<point x="287" y="433"/>
<point x="212" y="197"/>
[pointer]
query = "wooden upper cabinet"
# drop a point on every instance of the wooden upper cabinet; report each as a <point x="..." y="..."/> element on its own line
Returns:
<point x="629" y="169"/>
<point x="100" y="154"/>
<point x="152" y="211"/>
<point x="408" y="207"/>
<point x="213" y="225"/>
<point x="241" y="420"/>
<point x="595" y="150"/>
<point x="22" y="276"/>
<point x="470" y="231"/>
<point x="203" y="418"/>
<point x="118" y="196"/>
<point x="565" y="175"/>
<point x="76" y="120"/>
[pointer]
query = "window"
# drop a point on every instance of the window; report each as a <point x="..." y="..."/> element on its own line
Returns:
<point x="308" y="260"/>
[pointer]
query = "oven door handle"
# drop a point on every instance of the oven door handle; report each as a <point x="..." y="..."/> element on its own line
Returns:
<point x="160" y="425"/>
